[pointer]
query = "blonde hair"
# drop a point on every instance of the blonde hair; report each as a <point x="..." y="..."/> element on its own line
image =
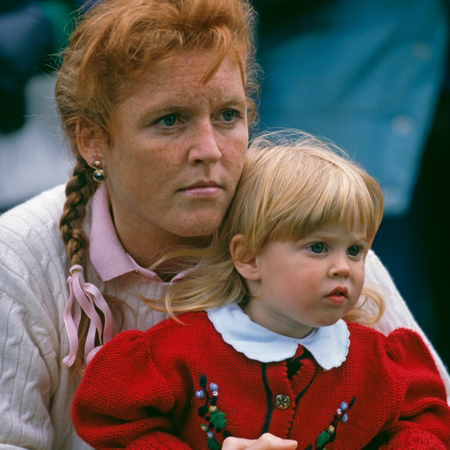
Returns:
<point x="113" y="44"/>
<point x="292" y="184"/>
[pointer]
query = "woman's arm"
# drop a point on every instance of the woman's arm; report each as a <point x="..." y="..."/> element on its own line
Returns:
<point x="397" y="313"/>
<point x="28" y="372"/>
<point x="35" y="388"/>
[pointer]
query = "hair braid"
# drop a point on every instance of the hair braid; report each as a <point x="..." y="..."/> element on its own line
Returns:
<point x="79" y="190"/>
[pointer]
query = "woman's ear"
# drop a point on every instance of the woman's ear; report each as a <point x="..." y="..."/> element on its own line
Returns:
<point x="246" y="264"/>
<point x="91" y="142"/>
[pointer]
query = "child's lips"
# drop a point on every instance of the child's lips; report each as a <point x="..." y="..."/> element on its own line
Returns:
<point x="338" y="296"/>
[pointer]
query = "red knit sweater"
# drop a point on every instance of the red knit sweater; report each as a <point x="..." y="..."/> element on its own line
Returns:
<point x="182" y="387"/>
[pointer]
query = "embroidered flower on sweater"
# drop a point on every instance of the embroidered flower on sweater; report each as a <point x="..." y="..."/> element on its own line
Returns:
<point x="215" y="419"/>
<point x="329" y="435"/>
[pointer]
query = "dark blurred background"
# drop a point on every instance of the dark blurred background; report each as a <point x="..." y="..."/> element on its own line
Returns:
<point x="33" y="155"/>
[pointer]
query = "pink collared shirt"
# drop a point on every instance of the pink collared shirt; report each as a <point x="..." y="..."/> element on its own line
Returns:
<point x="110" y="260"/>
<point x="107" y="254"/>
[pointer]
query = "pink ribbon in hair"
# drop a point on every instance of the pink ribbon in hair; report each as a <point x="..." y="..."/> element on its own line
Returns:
<point x="85" y="296"/>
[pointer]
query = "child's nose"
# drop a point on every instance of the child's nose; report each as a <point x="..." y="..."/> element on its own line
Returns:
<point x="340" y="267"/>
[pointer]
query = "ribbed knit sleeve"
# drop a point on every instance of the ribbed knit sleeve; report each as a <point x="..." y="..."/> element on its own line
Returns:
<point x="123" y="400"/>
<point x="25" y="377"/>
<point x="35" y="390"/>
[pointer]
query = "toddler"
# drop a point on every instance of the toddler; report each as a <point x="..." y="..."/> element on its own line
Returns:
<point x="264" y="335"/>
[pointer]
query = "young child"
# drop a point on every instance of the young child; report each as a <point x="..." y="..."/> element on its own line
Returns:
<point x="257" y="343"/>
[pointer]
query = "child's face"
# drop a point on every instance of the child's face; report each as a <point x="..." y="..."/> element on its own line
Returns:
<point x="309" y="283"/>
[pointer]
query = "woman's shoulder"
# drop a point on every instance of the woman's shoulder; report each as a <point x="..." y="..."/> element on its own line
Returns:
<point x="376" y="273"/>
<point x="44" y="209"/>
<point x="32" y="254"/>
<point x="396" y="313"/>
<point x="32" y="228"/>
<point x="40" y="212"/>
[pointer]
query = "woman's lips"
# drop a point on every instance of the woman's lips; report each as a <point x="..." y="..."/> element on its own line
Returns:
<point x="202" y="190"/>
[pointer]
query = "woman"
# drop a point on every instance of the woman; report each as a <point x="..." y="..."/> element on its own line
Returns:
<point x="155" y="98"/>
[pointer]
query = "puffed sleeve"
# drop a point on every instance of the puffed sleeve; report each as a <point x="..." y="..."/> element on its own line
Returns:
<point x="123" y="400"/>
<point x="397" y="313"/>
<point x="424" y="416"/>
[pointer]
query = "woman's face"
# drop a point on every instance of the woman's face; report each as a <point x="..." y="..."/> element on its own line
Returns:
<point x="178" y="150"/>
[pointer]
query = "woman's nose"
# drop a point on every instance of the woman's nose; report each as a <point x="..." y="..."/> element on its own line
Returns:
<point x="205" y="147"/>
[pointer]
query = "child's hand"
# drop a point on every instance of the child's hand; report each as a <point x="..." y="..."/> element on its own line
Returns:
<point x="265" y="442"/>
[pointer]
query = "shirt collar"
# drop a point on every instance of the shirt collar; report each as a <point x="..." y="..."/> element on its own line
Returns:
<point x="107" y="254"/>
<point x="328" y="345"/>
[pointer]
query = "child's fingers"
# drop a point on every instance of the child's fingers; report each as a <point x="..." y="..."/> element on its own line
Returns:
<point x="265" y="442"/>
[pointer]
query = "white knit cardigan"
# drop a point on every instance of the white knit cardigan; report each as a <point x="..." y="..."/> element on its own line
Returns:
<point x="36" y="389"/>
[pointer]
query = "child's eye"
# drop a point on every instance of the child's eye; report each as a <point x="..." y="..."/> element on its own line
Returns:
<point x="318" y="247"/>
<point x="354" y="250"/>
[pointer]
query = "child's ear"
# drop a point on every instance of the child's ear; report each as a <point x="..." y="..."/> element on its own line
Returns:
<point x="246" y="264"/>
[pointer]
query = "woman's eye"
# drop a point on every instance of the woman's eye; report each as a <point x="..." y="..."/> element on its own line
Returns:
<point x="319" y="247"/>
<point x="354" y="250"/>
<point x="169" y="121"/>
<point x="229" y="115"/>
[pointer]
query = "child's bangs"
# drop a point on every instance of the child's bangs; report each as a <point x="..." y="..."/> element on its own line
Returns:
<point x="295" y="184"/>
<point x="335" y="195"/>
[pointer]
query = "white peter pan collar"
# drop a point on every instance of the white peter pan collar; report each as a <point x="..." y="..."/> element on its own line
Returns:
<point x="328" y="345"/>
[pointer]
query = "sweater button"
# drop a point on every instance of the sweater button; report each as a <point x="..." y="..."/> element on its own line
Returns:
<point x="282" y="401"/>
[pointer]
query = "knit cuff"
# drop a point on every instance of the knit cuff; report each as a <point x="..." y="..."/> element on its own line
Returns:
<point x="414" y="440"/>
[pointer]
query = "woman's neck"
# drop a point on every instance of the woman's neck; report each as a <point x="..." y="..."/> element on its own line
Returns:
<point x="146" y="243"/>
<point x="146" y="250"/>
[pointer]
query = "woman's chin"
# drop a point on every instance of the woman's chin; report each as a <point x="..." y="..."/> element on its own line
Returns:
<point x="199" y="226"/>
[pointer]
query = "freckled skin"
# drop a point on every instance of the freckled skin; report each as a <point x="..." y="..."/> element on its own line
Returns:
<point x="172" y="131"/>
<point x="290" y="294"/>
